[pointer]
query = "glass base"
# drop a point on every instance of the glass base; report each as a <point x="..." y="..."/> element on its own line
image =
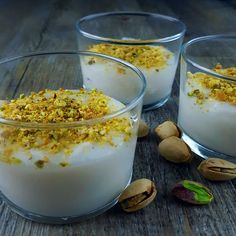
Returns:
<point x="203" y="151"/>
<point x="59" y="220"/>
<point x="157" y="104"/>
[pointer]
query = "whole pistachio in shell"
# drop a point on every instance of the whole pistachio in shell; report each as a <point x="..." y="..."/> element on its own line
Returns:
<point x="138" y="195"/>
<point x="216" y="169"/>
<point x="167" y="129"/>
<point x="192" y="192"/>
<point x="143" y="129"/>
<point x="175" y="150"/>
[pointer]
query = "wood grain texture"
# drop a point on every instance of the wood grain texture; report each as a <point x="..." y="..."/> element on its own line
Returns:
<point x="50" y="25"/>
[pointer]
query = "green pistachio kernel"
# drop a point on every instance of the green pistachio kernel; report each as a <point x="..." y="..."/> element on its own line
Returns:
<point x="192" y="192"/>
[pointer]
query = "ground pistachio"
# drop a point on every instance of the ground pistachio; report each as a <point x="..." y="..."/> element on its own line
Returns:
<point x="192" y="192"/>
<point x="216" y="169"/>
<point x="137" y="195"/>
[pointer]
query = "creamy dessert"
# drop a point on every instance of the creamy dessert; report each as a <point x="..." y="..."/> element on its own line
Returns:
<point x="207" y="110"/>
<point x="157" y="63"/>
<point x="65" y="171"/>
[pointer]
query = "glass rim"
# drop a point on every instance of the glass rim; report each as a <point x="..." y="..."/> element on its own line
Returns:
<point x="202" y="68"/>
<point x="74" y="124"/>
<point x="130" y="42"/>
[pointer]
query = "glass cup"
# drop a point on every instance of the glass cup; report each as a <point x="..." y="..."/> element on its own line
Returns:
<point x="207" y="104"/>
<point x="149" y="41"/>
<point x="66" y="153"/>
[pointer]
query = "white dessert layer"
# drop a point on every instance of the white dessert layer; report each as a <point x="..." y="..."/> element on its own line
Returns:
<point x="105" y="75"/>
<point x="159" y="83"/>
<point x="211" y="123"/>
<point x="72" y="190"/>
<point x="95" y="175"/>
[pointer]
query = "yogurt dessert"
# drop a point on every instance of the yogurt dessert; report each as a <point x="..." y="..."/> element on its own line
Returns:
<point x="207" y="110"/>
<point x="157" y="63"/>
<point x="65" y="171"/>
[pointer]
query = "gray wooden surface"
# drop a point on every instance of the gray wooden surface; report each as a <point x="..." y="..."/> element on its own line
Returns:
<point x="27" y="26"/>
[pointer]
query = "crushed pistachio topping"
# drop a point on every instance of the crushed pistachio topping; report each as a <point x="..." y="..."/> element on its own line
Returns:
<point x="229" y="72"/>
<point x="49" y="106"/>
<point x="214" y="88"/>
<point x="57" y="106"/>
<point x="10" y="160"/>
<point x="141" y="56"/>
<point x="40" y="164"/>
<point x="64" y="164"/>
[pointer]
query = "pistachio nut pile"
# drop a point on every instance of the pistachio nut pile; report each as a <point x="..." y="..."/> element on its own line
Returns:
<point x="174" y="149"/>
<point x="142" y="192"/>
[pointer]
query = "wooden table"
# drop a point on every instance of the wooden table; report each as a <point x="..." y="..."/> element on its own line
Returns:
<point x="27" y="26"/>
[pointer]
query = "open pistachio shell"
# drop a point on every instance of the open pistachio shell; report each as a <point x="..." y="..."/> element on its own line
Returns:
<point x="138" y="195"/>
<point x="216" y="169"/>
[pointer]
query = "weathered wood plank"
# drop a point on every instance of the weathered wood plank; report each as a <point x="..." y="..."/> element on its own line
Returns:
<point x="50" y="25"/>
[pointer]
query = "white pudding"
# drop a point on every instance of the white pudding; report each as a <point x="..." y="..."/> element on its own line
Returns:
<point x="75" y="171"/>
<point x="159" y="83"/>
<point x="207" y="112"/>
<point x="157" y="63"/>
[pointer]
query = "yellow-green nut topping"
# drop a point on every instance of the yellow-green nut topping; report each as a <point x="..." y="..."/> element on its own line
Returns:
<point x="216" y="169"/>
<point x="192" y="192"/>
<point x="138" y="195"/>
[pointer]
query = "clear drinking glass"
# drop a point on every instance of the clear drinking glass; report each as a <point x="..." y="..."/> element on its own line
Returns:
<point x="207" y="105"/>
<point x="66" y="153"/>
<point x="149" y="41"/>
